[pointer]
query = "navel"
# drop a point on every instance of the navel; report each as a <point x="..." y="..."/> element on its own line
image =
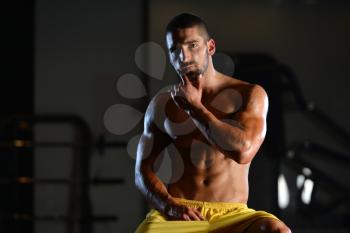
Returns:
<point x="206" y="182"/>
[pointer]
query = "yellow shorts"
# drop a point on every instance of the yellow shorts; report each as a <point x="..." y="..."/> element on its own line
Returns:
<point x="221" y="217"/>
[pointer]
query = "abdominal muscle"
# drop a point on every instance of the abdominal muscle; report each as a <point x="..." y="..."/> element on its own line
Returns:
<point x="210" y="176"/>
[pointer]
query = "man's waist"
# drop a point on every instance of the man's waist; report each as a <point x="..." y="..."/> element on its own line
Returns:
<point x="210" y="204"/>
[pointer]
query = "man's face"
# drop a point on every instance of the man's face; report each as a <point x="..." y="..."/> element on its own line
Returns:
<point x="188" y="51"/>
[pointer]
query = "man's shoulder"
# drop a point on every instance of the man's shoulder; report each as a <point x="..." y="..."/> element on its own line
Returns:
<point x="256" y="91"/>
<point x="160" y="99"/>
<point x="156" y="112"/>
<point x="251" y="94"/>
<point x="243" y="86"/>
<point x="156" y="107"/>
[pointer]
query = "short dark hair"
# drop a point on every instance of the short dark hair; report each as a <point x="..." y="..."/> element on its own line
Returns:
<point x="186" y="20"/>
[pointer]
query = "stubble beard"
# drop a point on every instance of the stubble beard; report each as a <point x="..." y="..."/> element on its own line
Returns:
<point x="193" y="74"/>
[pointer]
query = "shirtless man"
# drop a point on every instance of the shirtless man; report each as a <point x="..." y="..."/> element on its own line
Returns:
<point x="216" y="124"/>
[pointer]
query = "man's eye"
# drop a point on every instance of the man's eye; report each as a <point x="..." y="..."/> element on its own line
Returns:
<point x="193" y="45"/>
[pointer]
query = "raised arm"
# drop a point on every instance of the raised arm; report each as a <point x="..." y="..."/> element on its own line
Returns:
<point x="240" y="137"/>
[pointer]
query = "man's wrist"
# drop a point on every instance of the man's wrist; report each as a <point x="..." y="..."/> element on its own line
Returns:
<point x="195" y="107"/>
<point x="197" y="110"/>
<point x="167" y="203"/>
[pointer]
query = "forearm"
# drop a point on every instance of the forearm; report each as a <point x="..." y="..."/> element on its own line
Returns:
<point x="229" y="138"/>
<point x="153" y="189"/>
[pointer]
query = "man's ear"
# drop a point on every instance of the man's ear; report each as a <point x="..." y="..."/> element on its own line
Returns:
<point x="211" y="47"/>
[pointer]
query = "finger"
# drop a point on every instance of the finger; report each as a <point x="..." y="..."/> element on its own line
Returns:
<point x="183" y="81"/>
<point x="186" y="80"/>
<point x="186" y="217"/>
<point x="193" y="215"/>
<point x="198" y="213"/>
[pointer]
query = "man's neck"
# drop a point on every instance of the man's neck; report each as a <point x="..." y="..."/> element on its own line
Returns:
<point x="210" y="80"/>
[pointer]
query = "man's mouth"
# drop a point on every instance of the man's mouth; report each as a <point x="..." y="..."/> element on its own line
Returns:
<point x="190" y="71"/>
<point x="187" y="66"/>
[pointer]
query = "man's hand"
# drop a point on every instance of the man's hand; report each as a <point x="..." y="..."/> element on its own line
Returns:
<point x="175" y="211"/>
<point x="188" y="94"/>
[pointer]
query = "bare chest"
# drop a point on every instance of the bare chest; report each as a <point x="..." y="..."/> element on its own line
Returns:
<point x="182" y="129"/>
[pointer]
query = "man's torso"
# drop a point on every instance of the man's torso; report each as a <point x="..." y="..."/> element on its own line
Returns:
<point x="206" y="173"/>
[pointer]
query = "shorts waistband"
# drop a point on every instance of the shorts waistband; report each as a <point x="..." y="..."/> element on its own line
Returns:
<point x="215" y="205"/>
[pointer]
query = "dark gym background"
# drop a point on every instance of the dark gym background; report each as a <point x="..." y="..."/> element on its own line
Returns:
<point x="61" y="170"/>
